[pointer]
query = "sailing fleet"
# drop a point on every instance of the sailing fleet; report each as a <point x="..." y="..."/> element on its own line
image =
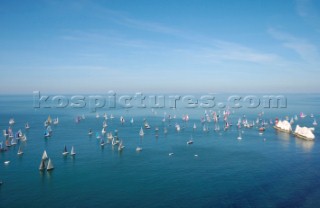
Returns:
<point x="13" y="138"/>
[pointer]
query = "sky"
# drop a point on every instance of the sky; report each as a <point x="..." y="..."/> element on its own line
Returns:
<point x="163" y="46"/>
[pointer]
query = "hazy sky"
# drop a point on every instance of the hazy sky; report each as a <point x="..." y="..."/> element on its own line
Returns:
<point x="159" y="46"/>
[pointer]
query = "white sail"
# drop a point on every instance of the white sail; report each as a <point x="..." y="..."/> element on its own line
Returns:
<point x="11" y="121"/>
<point x="42" y="165"/>
<point x="20" y="151"/>
<point x="141" y="133"/>
<point x="50" y="165"/>
<point x="72" y="151"/>
<point x="44" y="155"/>
<point x="56" y="121"/>
<point x="120" y="147"/>
<point x="314" y="122"/>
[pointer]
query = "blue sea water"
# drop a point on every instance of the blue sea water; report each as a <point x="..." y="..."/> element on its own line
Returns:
<point x="270" y="170"/>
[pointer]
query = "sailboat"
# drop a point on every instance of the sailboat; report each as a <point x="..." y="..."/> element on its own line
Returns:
<point x="42" y="165"/>
<point x="27" y="126"/>
<point x="44" y="155"/>
<point x="165" y="130"/>
<point x="102" y="143"/>
<point x="302" y="115"/>
<point x="49" y="120"/>
<point x="104" y="124"/>
<point x="46" y="134"/>
<point x="314" y="122"/>
<point x="131" y="121"/>
<point x="177" y="127"/>
<point x="113" y="142"/>
<point x="141" y="133"/>
<point x="120" y="147"/>
<point x="90" y="132"/>
<point x="194" y="126"/>
<point x="146" y="125"/>
<point x="109" y="136"/>
<point x="122" y="120"/>
<point x="98" y="135"/>
<point x="20" y="151"/>
<point x="103" y="131"/>
<point x="5" y="133"/>
<point x="72" y="151"/>
<point x="50" y="165"/>
<point x="239" y="137"/>
<point x="65" y="151"/>
<point x="97" y="115"/>
<point x="11" y="121"/>
<point x="139" y="149"/>
<point x="190" y="141"/>
<point x="56" y="121"/>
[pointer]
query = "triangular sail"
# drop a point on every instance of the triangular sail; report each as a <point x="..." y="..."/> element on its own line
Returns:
<point x="44" y="155"/>
<point x="50" y="165"/>
<point x="141" y="133"/>
<point x="72" y="151"/>
<point x="42" y="165"/>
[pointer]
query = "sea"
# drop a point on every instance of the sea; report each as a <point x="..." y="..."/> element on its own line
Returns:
<point x="272" y="169"/>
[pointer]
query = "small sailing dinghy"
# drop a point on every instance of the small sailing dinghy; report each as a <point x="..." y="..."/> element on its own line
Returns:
<point x="27" y="126"/>
<point x="239" y="137"/>
<point x="146" y="125"/>
<point x="314" y="122"/>
<point x="72" y="151"/>
<point x="90" y="132"/>
<point x="50" y="165"/>
<point x="56" y="121"/>
<point x="141" y="133"/>
<point x="42" y="166"/>
<point x="190" y="141"/>
<point x="98" y="135"/>
<point x="165" y="130"/>
<point x="11" y="121"/>
<point x="104" y="124"/>
<point x="65" y="151"/>
<point x="44" y="155"/>
<point x="120" y="147"/>
<point x="20" y="151"/>
<point x="122" y="120"/>
<point x="139" y="149"/>
<point x="102" y="143"/>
